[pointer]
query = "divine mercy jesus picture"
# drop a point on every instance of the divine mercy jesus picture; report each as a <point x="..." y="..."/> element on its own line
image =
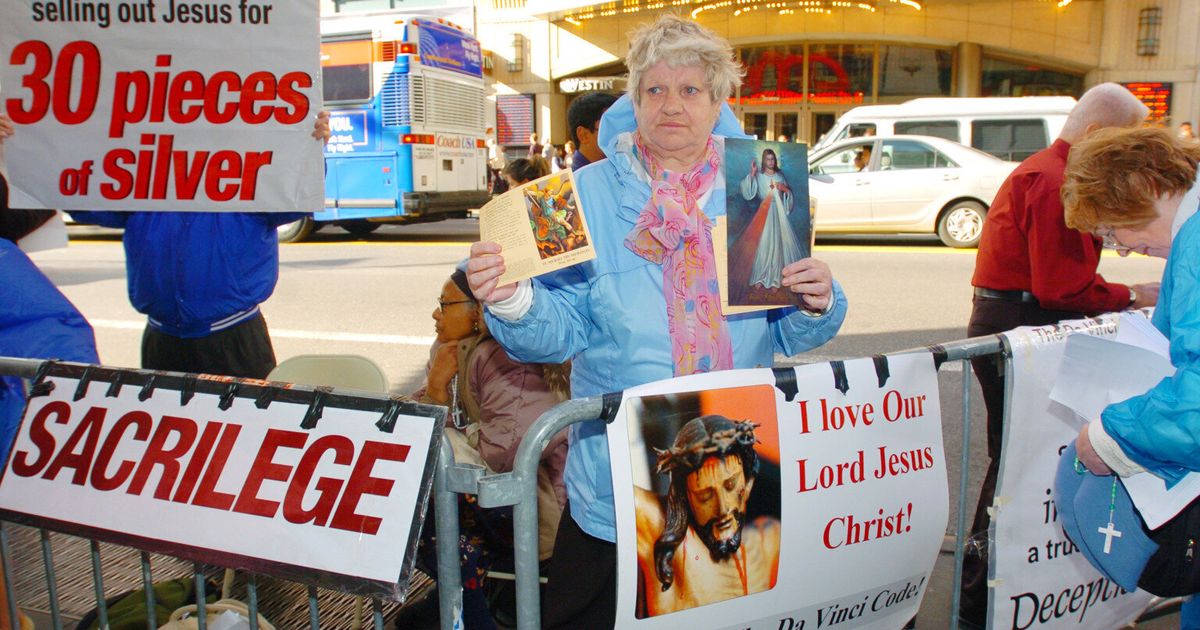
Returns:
<point x="769" y="223"/>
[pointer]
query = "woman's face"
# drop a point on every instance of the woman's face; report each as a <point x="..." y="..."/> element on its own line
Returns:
<point x="676" y="114"/>
<point x="456" y="316"/>
<point x="1155" y="238"/>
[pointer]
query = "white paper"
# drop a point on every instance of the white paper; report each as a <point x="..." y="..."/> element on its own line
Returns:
<point x="1137" y="330"/>
<point x="1096" y="372"/>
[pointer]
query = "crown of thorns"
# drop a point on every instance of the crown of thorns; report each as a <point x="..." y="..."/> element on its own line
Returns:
<point x="719" y="443"/>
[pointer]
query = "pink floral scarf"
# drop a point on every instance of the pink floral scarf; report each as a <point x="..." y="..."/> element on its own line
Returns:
<point x="673" y="231"/>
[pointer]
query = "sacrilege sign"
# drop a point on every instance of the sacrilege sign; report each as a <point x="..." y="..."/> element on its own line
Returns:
<point x="338" y="504"/>
<point x="162" y="105"/>
<point x="803" y="498"/>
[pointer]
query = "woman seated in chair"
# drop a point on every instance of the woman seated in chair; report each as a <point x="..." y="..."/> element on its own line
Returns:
<point x="493" y="401"/>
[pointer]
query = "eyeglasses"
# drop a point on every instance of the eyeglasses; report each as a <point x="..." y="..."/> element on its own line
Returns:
<point x="442" y="304"/>
<point x="1110" y="241"/>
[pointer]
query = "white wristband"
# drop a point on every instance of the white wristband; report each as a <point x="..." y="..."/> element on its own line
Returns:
<point x="1109" y="451"/>
<point x="516" y="305"/>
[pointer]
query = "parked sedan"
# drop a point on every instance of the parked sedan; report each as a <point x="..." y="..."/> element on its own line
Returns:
<point x="895" y="184"/>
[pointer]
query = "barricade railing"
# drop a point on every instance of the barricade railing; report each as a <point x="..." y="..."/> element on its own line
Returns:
<point x="519" y="488"/>
<point x="200" y="573"/>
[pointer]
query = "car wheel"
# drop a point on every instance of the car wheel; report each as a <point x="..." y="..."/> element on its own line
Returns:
<point x="296" y="231"/>
<point x="360" y="228"/>
<point x="962" y="224"/>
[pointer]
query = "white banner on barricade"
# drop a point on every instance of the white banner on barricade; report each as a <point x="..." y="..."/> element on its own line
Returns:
<point x="130" y="105"/>
<point x="320" y="491"/>
<point x="781" y="500"/>
<point x="1040" y="579"/>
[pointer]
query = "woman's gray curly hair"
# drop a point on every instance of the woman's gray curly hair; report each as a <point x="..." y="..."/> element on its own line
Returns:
<point x="682" y="42"/>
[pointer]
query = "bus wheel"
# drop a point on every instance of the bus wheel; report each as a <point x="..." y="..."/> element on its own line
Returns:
<point x="360" y="228"/>
<point x="296" y="231"/>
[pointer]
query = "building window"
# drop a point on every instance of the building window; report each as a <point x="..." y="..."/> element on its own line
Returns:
<point x="914" y="71"/>
<point x="1007" y="78"/>
<point x="774" y="74"/>
<point x="840" y="71"/>
<point x="516" y="58"/>
<point x="1149" y="28"/>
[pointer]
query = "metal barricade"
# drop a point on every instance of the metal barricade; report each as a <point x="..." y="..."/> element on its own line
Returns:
<point x="341" y="610"/>
<point x="519" y="489"/>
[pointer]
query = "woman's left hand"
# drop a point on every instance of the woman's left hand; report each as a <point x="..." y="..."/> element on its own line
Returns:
<point x="443" y="366"/>
<point x="812" y="281"/>
<point x="1088" y="455"/>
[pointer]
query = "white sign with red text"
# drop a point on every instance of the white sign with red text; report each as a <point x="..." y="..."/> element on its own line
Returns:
<point x="343" y="498"/>
<point x="162" y="105"/>
<point x="1040" y="578"/>
<point x="845" y="535"/>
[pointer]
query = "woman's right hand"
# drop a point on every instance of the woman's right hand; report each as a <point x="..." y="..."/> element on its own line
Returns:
<point x="484" y="269"/>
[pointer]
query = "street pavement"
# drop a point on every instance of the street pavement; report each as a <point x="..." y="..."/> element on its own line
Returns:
<point x="374" y="296"/>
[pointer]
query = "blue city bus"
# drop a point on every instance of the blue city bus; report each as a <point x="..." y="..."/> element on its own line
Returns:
<point x="406" y="102"/>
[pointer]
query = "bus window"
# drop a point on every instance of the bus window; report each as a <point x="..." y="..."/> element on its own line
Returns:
<point x="346" y="70"/>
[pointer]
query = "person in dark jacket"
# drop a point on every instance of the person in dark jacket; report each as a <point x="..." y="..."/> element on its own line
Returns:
<point x="200" y="278"/>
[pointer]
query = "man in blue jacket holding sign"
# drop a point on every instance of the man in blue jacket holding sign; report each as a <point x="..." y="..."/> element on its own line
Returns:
<point x="200" y="278"/>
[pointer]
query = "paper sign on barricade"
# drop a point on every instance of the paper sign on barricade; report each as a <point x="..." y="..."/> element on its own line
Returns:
<point x="131" y="105"/>
<point x="312" y="490"/>
<point x="1041" y="580"/>
<point x="839" y="526"/>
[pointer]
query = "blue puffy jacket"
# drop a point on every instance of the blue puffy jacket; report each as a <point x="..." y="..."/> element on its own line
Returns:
<point x="194" y="273"/>
<point x="610" y="315"/>
<point x="1160" y="430"/>
<point x="36" y="322"/>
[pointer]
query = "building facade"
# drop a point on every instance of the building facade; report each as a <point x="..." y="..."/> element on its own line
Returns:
<point x="808" y="61"/>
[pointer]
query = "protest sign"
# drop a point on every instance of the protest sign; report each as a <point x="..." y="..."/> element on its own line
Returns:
<point x="1040" y="579"/>
<point x="162" y="105"/>
<point x="787" y="499"/>
<point x="319" y="491"/>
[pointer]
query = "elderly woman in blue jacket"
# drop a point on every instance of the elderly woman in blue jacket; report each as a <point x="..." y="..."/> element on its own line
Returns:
<point x="647" y="307"/>
<point x="1137" y="188"/>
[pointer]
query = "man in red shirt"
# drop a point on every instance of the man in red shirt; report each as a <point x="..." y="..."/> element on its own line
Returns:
<point x="1032" y="270"/>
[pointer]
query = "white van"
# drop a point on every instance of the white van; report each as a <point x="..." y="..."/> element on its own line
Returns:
<point x="1008" y="128"/>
